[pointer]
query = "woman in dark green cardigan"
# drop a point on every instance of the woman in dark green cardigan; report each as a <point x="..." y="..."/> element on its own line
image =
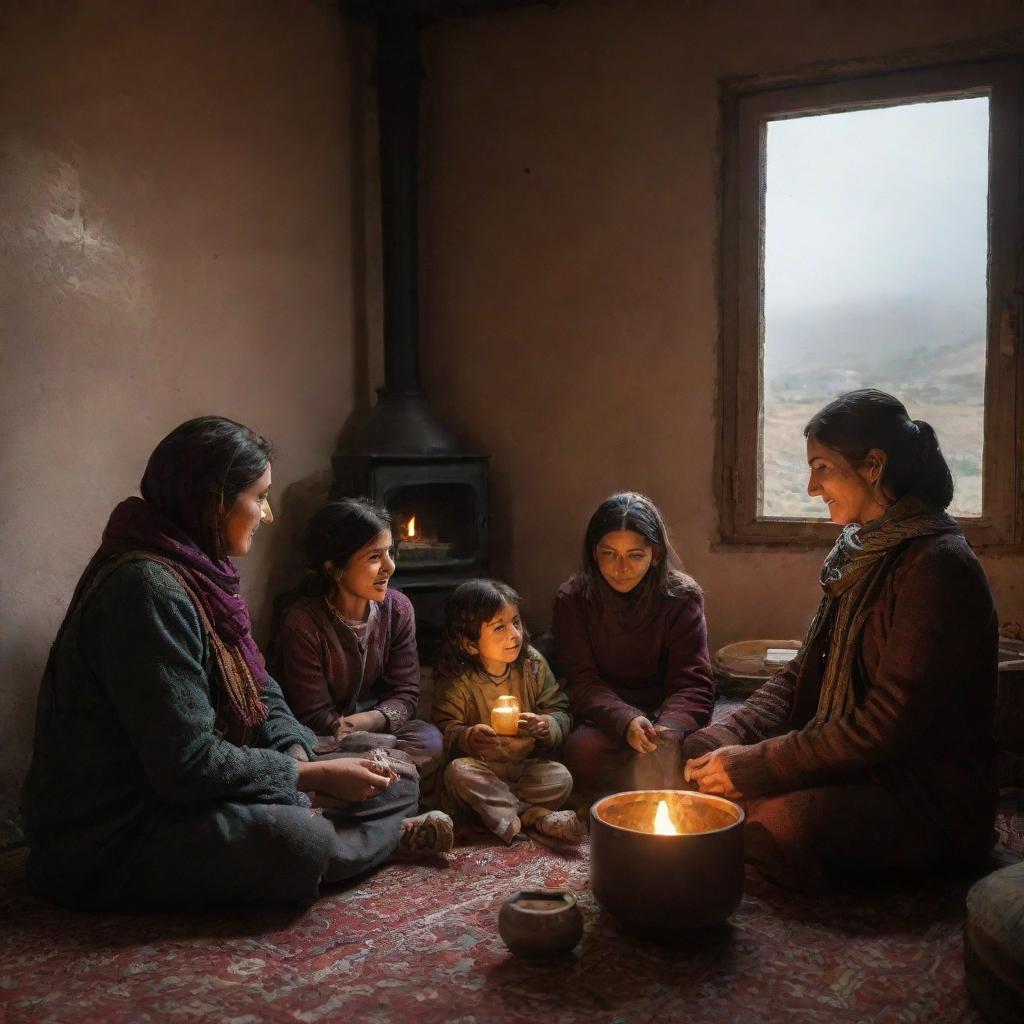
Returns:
<point x="167" y="768"/>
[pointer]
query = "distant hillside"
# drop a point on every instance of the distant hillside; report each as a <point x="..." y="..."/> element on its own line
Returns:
<point x="921" y="354"/>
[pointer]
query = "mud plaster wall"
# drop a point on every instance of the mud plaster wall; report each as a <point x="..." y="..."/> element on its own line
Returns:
<point x="176" y="208"/>
<point x="569" y="237"/>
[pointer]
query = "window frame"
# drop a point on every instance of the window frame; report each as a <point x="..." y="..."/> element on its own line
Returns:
<point x="746" y="110"/>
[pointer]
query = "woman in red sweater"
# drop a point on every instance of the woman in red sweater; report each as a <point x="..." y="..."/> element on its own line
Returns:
<point x="872" y="750"/>
<point x="631" y="641"/>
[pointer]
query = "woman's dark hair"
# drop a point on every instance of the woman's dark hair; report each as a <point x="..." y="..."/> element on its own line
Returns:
<point x="858" y="421"/>
<point x="471" y="605"/>
<point x="336" y="532"/>
<point x="198" y="470"/>
<point x="629" y="510"/>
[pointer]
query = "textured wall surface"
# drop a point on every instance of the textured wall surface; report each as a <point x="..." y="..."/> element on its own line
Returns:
<point x="176" y="209"/>
<point x="570" y="235"/>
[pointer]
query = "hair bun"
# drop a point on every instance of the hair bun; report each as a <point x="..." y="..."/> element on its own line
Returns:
<point x="926" y="434"/>
<point x="858" y="421"/>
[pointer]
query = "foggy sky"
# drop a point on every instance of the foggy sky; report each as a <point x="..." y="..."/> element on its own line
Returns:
<point x="872" y="208"/>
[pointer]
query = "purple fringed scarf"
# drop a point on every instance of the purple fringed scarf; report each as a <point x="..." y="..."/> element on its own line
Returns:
<point x="137" y="524"/>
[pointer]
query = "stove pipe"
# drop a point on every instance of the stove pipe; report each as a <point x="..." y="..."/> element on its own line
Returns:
<point x="401" y="423"/>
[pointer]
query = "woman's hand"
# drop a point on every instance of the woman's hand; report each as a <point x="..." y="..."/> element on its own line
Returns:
<point x="363" y="721"/>
<point x="710" y="774"/>
<point x="345" y="778"/>
<point x="537" y="726"/>
<point x="641" y="735"/>
<point x="480" y="740"/>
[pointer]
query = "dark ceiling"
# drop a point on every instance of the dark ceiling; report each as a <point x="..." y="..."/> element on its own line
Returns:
<point x="433" y="10"/>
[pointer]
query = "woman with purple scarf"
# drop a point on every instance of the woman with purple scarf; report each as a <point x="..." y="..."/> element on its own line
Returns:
<point x="167" y="768"/>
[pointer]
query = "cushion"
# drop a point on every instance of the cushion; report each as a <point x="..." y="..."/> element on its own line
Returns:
<point x="994" y="944"/>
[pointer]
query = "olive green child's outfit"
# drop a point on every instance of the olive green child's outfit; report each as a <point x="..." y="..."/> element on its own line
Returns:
<point x="509" y="782"/>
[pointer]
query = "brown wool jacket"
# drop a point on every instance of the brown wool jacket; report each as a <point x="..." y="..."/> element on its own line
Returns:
<point x="326" y="674"/>
<point x="923" y="725"/>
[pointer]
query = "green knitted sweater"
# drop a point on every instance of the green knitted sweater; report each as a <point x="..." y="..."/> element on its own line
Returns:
<point x="126" y="730"/>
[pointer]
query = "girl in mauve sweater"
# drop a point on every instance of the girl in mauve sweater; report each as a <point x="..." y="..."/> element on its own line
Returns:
<point x="345" y="650"/>
<point x="631" y="641"/>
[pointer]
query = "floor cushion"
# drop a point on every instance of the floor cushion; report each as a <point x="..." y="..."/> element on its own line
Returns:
<point x="994" y="944"/>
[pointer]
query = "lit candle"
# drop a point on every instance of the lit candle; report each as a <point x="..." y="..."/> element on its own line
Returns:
<point x="505" y="716"/>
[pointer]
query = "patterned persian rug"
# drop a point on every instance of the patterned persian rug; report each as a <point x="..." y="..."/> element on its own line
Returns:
<point x="419" y="944"/>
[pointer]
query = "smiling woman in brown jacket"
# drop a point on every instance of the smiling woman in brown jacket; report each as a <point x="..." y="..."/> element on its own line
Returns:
<point x="872" y="750"/>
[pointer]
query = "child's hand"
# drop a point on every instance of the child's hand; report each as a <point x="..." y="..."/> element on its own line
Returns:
<point x="641" y="735"/>
<point x="479" y="740"/>
<point x="366" y="721"/>
<point x="537" y="726"/>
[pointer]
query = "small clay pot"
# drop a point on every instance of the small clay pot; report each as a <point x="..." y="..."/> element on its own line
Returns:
<point x="540" y="921"/>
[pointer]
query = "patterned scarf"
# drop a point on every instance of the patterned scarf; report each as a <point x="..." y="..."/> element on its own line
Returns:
<point x="852" y="578"/>
<point x="138" y="529"/>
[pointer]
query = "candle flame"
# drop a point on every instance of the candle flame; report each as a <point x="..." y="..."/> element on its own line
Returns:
<point x="662" y="822"/>
<point x="410" y="528"/>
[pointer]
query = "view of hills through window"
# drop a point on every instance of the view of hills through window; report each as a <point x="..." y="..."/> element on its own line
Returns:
<point x="875" y="258"/>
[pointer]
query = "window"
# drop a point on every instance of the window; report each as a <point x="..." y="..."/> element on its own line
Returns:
<point x="872" y="238"/>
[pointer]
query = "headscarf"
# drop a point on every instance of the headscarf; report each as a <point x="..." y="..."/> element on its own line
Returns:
<point x="179" y="524"/>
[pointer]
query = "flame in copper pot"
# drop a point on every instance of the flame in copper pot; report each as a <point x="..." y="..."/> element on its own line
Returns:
<point x="662" y="822"/>
<point x="410" y="528"/>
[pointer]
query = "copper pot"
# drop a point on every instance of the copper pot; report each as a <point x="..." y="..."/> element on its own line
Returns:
<point x="686" y="880"/>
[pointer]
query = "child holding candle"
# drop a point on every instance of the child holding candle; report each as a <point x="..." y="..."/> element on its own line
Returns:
<point x="497" y="701"/>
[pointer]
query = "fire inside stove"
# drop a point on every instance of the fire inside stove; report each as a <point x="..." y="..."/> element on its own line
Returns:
<point x="419" y="544"/>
